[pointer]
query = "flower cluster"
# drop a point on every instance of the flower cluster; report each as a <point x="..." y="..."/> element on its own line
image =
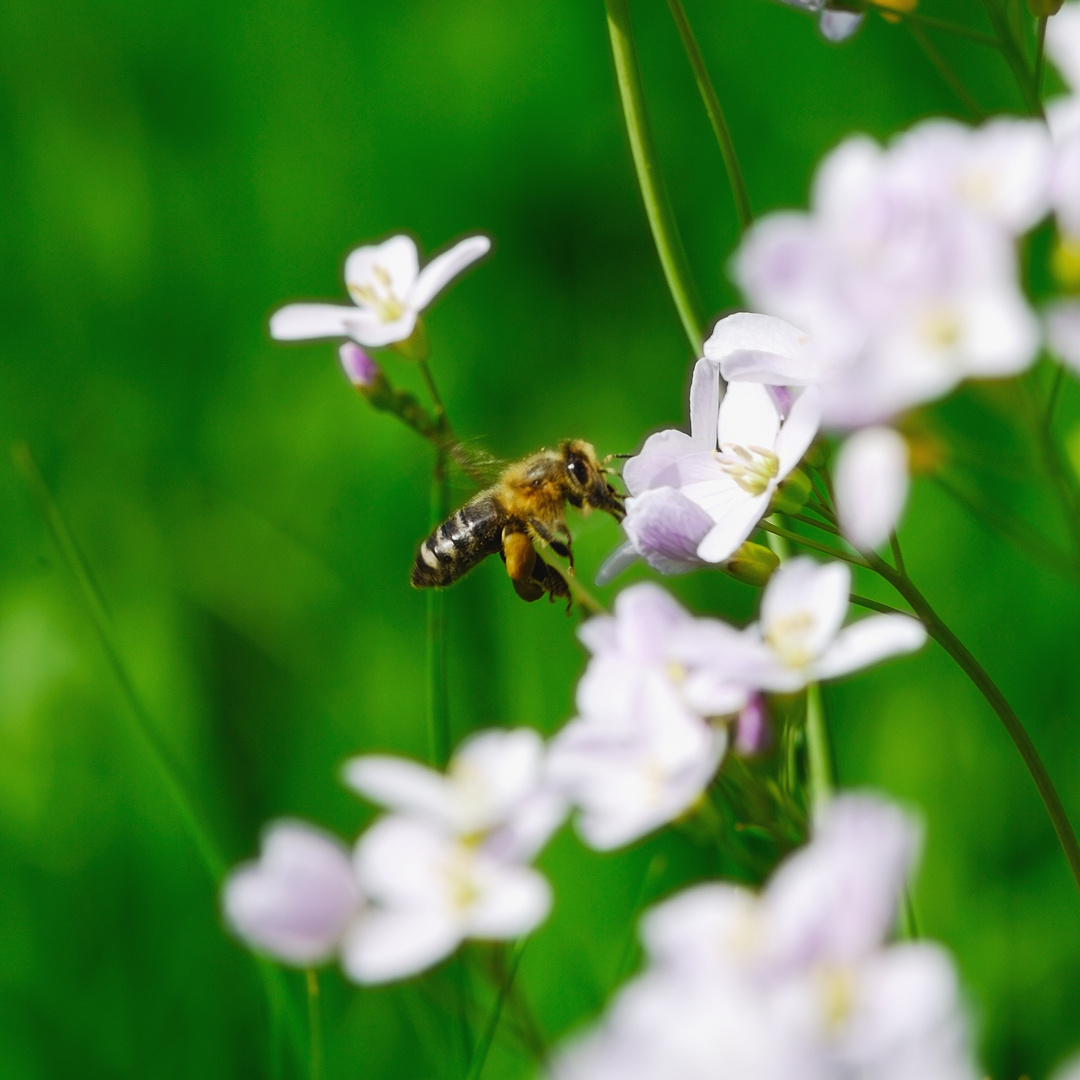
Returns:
<point x="796" y="982"/>
<point x="449" y="862"/>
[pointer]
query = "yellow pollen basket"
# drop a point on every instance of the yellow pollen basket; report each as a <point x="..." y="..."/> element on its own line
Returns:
<point x="789" y="638"/>
<point x="384" y="303"/>
<point x="753" y="468"/>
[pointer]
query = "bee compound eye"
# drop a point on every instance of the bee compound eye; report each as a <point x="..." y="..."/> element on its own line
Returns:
<point x="577" y="470"/>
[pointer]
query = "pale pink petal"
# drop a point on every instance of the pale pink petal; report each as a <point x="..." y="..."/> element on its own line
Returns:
<point x="748" y="416"/>
<point x="657" y="464"/>
<point x="384" y="945"/>
<point x="511" y="901"/>
<point x="300" y="322"/>
<point x="623" y="557"/>
<point x="296" y="900"/>
<point x="1063" y="43"/>
<point x="871" y="481"/>
<point x="838" y="25"/>
<point x="396" y="259"/>
<point x="704" y="404"/>
<point x="401" y="861"/>
<point x="665" y="527"/>
<point x="799" y="430"/>
<point x="760" y="348"/>
<point x="399" y="784"/>
<point x="801" y="588"/>
<point x="645" y="615"/>
<point x="868" y="641"/>
<point x="491" y="773"/>
<point x="367" y="329"/>
<point x="444" y="268"/>
<point x="739" y="520"/>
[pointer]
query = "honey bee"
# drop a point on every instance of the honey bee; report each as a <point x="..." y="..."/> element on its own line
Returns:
<point x="525" y="507"/>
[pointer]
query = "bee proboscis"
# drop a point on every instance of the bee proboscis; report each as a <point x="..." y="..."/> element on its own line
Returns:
<point x="524" y="508"/>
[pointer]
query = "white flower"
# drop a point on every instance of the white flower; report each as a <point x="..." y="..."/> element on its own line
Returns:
<point x="495" y="789"/>
<point x="871" y="484"/>
<point x="1063" y="331"/>
<point x="296" y="902"/>
<point x="430" y="890"/>
<point x="798" y="638"/>
<point x="730" y="464"/>
<point x="388" y="288"/>
<point x="796" y="983"/>
<point x="644" y="745"/>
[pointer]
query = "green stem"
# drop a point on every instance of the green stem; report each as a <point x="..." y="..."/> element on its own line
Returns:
<point x="1040" y="55"/>
<point x="997" y="701"/>
<point x="646" y="164"/>
<point x="941" y="65"/>
<point x="819" y="756"/>
<point x="1055" y="392"/>
<point x="487" y="1035"/>
<point x="874" y="605"/>
<point x="279" y="1003"/>
<point x="917" y="18"/>
<point x="438" y="692"/>
<point x="314" y="1024"/>
<point x="813" y="545"/>
<point x="824" y="526"/>
<point x="1014" y="57"/>
<point x="716" y="115"/>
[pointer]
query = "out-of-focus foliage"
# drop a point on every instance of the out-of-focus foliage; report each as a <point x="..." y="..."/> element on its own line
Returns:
<point x="170" y="173"/>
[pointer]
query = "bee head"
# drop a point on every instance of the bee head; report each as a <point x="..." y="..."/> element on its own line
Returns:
<point x="586" y="480"/>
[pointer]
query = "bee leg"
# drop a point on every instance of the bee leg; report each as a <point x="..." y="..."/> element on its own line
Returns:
<point x="521" y="565"/>
<point x="545" y="534"/>
<point x="553" y="582"/>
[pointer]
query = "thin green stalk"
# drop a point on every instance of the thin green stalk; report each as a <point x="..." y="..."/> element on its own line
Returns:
<point x="657" y="865"/>
<point x="1040" y="55"/>
<point x="874" y="605"/>
<point x="813" y="545"/>
<point x="824" y="526"/>
<point x="917" y="18"/>
<point x="818" y="753"/>
<point x="941" y="65"/>
<point x="1014" y="57"/>
<point x="438" y="691"/>
<point x="716" y="115"/>
<point x="279" y="1003"/>
<point x="487" y="1035"/>
<point x="314" y="1024"/>
<point x="997" y="701"/>
<point x="1055" y="391"/>
<point x="898" y="557"/>
<point x="646" y="163"/>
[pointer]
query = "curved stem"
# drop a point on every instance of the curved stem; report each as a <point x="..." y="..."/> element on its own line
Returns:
<point x="941" y="65"/>
<point x="1014" y="57"/>
<point x="646" y="163"/>
<point x="917" y="18"/>
<point x="716" y="115"/>
<point x="813" y="545"/>
<point x="1040" y="54"/>
<point x="997" y="701"/>
<point x="487" y="1036"/>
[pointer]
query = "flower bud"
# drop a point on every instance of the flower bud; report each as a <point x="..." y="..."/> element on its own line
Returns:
<point x="1065" y="263"/>
<point x="792" y="494"/>
<point x="752" y="563"/>
<point x="359" y="368"/>
<point x="753" y="728"/>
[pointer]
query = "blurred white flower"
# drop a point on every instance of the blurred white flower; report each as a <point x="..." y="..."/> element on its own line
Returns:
<point x="297" y="900"/>
<point x="1063" y="117"/>
<point x="794" y="984"/>
<point x="429" y="891"/>
<point x="388" y="289"/>
<point x="871" y="484"/>
<point x="799" y="637"/>
<point x="835" y="24"/>
<point x="495" y="791"/>
<point x="1063" y="331"/>
<point x="903" y="276"/>
<point x="738" y="452"/>
<point x="644" y="745"/>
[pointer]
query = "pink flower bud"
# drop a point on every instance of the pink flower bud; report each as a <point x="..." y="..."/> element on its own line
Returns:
<point x="753" y="728"/>
<point x="359" y="368"/>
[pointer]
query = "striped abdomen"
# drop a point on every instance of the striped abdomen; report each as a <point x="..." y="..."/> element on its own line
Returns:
<point x="460" y="542"/>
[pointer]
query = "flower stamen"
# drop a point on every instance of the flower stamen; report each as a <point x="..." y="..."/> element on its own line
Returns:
<point x="753" y="468"/>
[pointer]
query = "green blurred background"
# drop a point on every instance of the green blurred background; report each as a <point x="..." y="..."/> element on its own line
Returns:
<point x="171" y="172"/>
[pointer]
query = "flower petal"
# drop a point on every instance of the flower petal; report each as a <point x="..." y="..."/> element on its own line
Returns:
<point x="385" y="945"/>
<point x="704" y="404"/>
<point x="511" y="901"/>
<point x="400" y="785"/>
<point x="1063" y="331"/>
<point x="491" y="773"/>
<point x="401" y="862"/>
<point x="801" y="588"/>
<point x="300" y="322"/>
<point x="799" y="430"/>
<point x="623" y="557"/>
<point x="740" y="517"/>
<point x="871" y="485"/>
<point x="837" y="25"/>
<point x="748" y="416"/>
<point x="761" y="348"/>
<point x="444" y="268"/>
<point x="657" y="464"/>
<point x="868" y="641"/>
<point x="394" y="261"/>
<point x="665" y="527"/>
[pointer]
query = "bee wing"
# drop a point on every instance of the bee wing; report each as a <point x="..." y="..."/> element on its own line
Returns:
<point x="477" y="464"/>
